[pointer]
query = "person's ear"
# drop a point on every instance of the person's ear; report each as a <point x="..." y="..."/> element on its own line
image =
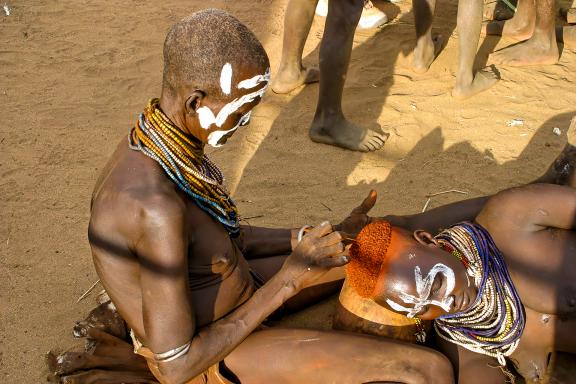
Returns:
<point x="194" y="101"/>
<point x="425" y="238"/>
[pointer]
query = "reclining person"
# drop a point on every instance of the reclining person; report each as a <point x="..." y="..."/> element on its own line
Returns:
<point x="500" y="286"/>
<point x="194" y="285"/>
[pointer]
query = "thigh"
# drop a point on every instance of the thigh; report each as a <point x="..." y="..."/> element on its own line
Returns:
<point x="311" y="356"/>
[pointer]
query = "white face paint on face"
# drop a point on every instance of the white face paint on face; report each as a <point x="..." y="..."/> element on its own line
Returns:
<point x="207" y="118"/>
<point x="226" y="78"/>
<point x="214" y="138"/>
<point x="423" y="288"/>
<point x="255" y="81"/>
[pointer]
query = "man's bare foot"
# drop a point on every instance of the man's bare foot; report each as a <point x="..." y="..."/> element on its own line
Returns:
<point x="482" y="80"/>
<point x="515" y="28"/>
<point x="425" y="53"/>
<point x="288" y="80"/>
<point x="342" y="133"/>
<point x="529" y="52"/>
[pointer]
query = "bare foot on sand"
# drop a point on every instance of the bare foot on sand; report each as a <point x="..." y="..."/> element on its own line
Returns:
<point x="529" y="52"/>
<point x="425" y="52"/>
<point x="342" y="133"/>
<point x="287" y="80"/>
<point x="481" y="81"/>
<point x="516" y="28"/>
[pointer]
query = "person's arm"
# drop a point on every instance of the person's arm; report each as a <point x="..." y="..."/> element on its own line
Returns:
<point x="167" y="311"/>
<point x="258" y="242"/>
<point x="440" y="218"/>
<point x="531" y="208"/>
<point x="432" y="221"/>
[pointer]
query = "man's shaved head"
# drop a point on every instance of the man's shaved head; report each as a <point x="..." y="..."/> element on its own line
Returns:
<point x="198" y="46"/>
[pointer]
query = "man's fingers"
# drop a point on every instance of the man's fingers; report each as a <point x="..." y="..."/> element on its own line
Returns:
<point x="334" y="261"/>
<point x="320" y="230"/>
<point x="330" y="239"/>
<point x="367" y="204"/>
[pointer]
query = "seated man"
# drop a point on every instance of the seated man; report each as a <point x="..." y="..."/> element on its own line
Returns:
<point x="499" y="287"/>
<point x="194" y="285"/>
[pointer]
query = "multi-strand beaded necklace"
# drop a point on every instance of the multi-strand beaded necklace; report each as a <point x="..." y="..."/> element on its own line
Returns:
<point x="183" y="159"/>
<point x="495" y="321"/>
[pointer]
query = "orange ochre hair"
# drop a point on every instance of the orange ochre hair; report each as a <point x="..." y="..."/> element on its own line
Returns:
<point x="366" y="256"/>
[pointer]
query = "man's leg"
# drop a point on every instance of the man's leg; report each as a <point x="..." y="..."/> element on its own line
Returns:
<point x="520" y="27"/>
<point x="469" y="25"/>
<point x="310" y="356"/>
<point x="541" y="48"/>
<point x="426" y="47"/>
<point x="329" y="125"/>
<point x="567" y="35"/>
<point x="297" y="22"/>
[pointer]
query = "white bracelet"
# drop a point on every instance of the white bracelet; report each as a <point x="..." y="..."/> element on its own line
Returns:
<point x="172" y="354"/>
<point x="301" y="232"/>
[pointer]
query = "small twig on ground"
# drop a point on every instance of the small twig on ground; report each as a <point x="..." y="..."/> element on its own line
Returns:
<point x="252" y="217"/>
<point x="325" y="206"/>
<point x="87" y="292"/>
<point x="431" y="195"/>
<point x="449" y="191"/>
<point x="426" y="205"/>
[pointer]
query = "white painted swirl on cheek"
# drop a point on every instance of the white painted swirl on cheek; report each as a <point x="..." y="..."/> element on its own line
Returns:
<point x="423" y="287"/>
<point x="215" y="137"/>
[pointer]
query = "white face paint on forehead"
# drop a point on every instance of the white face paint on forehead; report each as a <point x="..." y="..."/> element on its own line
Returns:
<point x="215" y="137"/>
<point x="226" y="78"/>
<point x="207" y="117"/>
<point x="255" y="81"/>
<point x="423" y="287"/>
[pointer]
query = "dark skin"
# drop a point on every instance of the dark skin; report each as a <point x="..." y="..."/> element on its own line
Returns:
<point x="329" y="126"/>
<point x="176" y="276"/>
<point x="535" y="228"/>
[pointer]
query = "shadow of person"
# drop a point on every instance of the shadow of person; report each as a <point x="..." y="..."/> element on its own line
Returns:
<point x="290" y="181"/>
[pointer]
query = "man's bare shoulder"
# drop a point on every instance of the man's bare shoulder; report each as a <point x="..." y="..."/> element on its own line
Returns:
<point x="133" y="195"/>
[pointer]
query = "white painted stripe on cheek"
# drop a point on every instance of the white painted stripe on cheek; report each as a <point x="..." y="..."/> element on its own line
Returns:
<point x="226" y="78"/>
<point x="206" y="117"/>
<point x="214" y="137"/>
<point x="255" y="81"/>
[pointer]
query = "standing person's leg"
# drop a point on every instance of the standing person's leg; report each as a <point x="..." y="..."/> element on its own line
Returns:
<point x="329" y="125"/>
<point x="285" y="356"/>
<point x="425" y="50"/>
<point x="469" y="26"/>
<point x="519" y="27"/>
<point x="297" y="22"/>
<point x="541" y="48"/>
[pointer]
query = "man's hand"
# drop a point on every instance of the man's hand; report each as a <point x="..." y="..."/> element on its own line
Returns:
<point x="319" y="250"/>
<point x="358" y="218"/>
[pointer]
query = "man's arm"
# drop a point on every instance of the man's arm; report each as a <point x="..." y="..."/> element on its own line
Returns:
<point x="442" y="217"/>
<point x="258" y="242"/>
<point x="168" y="315"/>
<point x="531" y="208"/>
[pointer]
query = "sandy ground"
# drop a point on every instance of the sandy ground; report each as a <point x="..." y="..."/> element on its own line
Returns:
<point x="74" y="76"/>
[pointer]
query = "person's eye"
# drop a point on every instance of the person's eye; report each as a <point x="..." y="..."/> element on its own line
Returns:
<point x="244" y="120"/>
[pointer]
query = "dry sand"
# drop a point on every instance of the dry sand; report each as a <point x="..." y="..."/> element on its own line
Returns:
<point x="74" y="76"/>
